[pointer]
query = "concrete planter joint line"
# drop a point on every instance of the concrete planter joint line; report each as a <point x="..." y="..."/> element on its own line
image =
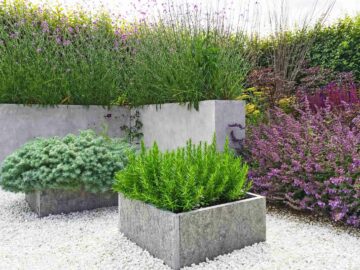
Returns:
<point x="187" y="238"/>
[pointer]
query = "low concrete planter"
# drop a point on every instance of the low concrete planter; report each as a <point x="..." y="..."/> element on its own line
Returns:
<point x="187" y="238"/>
<point x="52" y="202"/>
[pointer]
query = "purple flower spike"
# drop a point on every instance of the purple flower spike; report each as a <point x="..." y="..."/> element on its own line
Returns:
<point x="45" y="27"/>
<point x="66" y="42"/>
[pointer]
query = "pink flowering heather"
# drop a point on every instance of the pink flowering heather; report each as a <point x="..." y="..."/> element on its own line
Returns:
<point x="310" y="162"/>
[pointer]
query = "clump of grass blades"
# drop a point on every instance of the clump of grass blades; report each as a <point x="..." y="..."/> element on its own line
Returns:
<point x="184" y="179"/>
<point x="187" y="55"/>
<point x="49" y="57"/>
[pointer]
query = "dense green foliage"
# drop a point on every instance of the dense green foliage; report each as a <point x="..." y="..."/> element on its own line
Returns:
<point x="86" y="161"/>
<point x="337" y="46"/>
<point x="184" y="179"/>
<point x="186" y="63"/>
<point x="49" y="57"/>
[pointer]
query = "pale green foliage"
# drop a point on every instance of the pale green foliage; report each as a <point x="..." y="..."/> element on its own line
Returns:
<point x="86" y="161"/>
<point x="184" y="179"/>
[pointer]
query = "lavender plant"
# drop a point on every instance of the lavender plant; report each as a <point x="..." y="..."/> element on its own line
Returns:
<point x="187" y="55"/>
<point x="52" y="57"/>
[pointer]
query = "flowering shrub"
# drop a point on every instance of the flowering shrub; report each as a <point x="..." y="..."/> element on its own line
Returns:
<point x="255" y="103"/>
<point x="335" y="95"/>
<point x="51" y="57"/>
<point x="310" y="162"/>
<point x="86" y="161"/>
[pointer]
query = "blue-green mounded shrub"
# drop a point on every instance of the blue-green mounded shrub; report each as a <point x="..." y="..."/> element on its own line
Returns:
<point x="86" y="161"/>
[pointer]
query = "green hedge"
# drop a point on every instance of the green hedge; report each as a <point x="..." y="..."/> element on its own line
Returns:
<point x="338" y="46"/>
<point x="335" y="47"/>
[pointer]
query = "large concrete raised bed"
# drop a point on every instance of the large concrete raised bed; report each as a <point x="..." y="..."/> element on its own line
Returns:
<point x="19" y="124"/>
<point x="52" y="202"/>
<point x="172" y="124"/>
<point x="191" y="237"/>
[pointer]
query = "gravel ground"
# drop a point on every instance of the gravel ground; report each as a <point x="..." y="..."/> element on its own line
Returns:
<point x="90" y="240"/>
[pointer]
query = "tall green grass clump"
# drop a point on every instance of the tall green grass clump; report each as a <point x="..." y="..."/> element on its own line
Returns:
<point x="49" y="56"/>
<point x="184" y="179"/>
<point x="52" y="57"/>
<point x="187" y="55"/>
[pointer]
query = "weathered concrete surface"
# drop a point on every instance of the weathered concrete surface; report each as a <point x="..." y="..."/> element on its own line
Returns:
<point x="19" y="124"/>
<point x="52" y="202"/>
<point x="151" y="228"/>
<point x="191" y="237"/>
<point x="171" y="125"/>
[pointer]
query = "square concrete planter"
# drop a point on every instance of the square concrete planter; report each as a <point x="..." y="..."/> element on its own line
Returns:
<point x="171" y="125"/>
<point x="52" y="202"/>
<point x="191" y="237"/>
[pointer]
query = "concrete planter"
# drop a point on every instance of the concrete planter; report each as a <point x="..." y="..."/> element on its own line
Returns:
<point x="19" y="124"/>
<point x="52" y="202"/>
<point x="172" y="124"/>
<point x="187" y="238"/>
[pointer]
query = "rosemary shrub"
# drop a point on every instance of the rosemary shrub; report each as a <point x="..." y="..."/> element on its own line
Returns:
<point x="184" y="179"/>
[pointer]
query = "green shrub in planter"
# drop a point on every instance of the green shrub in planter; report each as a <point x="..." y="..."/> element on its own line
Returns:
<point x="86" y="161"/>
<point x="184" y="179"/>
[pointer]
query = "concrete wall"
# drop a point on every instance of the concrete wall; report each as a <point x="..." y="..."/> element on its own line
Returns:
<point x="18" y="123"/>
<point x="171" y="125"/>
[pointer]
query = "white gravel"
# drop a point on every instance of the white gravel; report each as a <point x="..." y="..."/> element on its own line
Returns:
<point x="90" y="240"/>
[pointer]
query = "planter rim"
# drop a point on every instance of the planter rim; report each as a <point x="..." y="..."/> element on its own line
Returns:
<point x="253" y="196"/>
